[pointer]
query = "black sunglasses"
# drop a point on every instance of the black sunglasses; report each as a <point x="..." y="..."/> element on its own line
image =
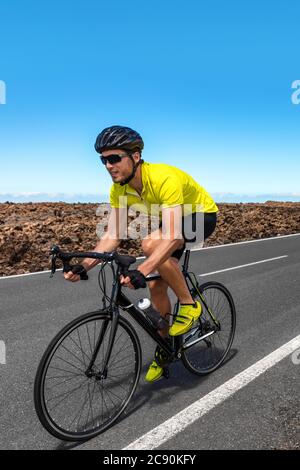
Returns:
<point x="115" y="158"/>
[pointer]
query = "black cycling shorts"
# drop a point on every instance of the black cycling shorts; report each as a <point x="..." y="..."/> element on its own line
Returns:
<point x="209" y="220"/>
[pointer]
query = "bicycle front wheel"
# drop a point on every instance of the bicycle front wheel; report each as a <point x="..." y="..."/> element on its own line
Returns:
<point x="206" y="345"/>
<point x="73" y="405"/>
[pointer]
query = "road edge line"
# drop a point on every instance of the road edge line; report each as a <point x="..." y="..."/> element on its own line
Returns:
<point x="171" y="427"/>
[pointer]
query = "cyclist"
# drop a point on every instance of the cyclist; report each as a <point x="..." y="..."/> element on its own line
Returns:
<point x="179" y="197"/>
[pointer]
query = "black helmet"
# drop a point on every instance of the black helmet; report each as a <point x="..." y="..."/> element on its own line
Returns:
<point x="119" y="137"/>
<point x="115" y="137"/>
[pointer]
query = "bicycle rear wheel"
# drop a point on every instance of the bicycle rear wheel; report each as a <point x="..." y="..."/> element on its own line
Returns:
<point x="216" y="326"/>
<point x="73" y="405"/>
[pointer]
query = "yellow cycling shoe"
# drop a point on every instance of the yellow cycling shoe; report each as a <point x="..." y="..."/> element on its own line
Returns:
<point x="154" y="372"/>
<point x="185" y="319"/>
<point x="159" y="367"/>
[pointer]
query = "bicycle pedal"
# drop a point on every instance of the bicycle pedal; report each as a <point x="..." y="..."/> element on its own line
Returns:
<point x="162" y="358"/>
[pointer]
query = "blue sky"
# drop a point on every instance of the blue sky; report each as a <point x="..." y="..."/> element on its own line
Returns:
<point x="207" y="84"/>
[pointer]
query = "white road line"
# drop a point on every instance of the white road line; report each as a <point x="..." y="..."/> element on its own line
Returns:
<point x="27" y="274"/>
<point x="243" y="266"/>
<point x="240" y="243"/>
<point x="248" y="241"/>
<point x="196" y="249"/>
<point x="165" y="431"/>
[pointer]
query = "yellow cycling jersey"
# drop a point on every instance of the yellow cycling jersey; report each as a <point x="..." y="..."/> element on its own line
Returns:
<point x="163" y="186"/>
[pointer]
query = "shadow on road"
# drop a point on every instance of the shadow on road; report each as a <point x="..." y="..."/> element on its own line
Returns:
<point x="159" y="392"/>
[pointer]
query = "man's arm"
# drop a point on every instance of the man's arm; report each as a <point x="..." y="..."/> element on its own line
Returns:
<point x="105" y="244"/>
<point x="109" y="242"/>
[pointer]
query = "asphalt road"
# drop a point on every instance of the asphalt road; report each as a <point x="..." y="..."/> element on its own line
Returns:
<point x="262" y="415"/>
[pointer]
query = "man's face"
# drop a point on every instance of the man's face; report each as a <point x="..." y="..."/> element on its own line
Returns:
<point x="121" y="170"/>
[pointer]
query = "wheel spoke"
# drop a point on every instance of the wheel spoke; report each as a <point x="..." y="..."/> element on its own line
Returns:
<point x="65" y="395"/>
<point x="69" y="363"/>
<point x="81" y="350"/>
<point x="57" y="384"/>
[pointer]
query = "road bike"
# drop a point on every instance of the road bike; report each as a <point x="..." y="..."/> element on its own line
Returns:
<point x="90" y="370"/>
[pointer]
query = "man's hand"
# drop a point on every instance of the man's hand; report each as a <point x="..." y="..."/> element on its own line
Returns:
<point x="69" y="276"/>
<point x="134" y="279"/>
<point x="75" y="272"/>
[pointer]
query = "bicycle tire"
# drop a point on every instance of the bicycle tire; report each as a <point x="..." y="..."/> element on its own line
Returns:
<point x="205" y="357"/>
<point x="64" y="340"/>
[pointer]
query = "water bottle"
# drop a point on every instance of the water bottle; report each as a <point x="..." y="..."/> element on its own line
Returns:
<point x="151" y="313"/>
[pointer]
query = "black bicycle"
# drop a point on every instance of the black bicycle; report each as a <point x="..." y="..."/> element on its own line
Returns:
<point x="90" y="370"/>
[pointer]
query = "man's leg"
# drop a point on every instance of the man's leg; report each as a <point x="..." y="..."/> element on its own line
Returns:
<point x="170" y="272"/>
<point x="171" y="276"/>
<point x="160" y="301"/>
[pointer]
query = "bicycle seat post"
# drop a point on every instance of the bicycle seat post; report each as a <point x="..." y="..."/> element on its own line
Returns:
<point x="186" y="260"/>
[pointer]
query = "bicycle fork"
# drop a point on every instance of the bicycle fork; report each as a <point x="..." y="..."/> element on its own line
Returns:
<point x="113" y="320"/>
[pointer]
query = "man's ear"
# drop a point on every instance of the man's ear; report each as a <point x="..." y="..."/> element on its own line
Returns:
<point x="137" y="156"/>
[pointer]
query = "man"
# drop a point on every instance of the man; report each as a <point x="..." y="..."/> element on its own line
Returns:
<point x="176" y="193"/>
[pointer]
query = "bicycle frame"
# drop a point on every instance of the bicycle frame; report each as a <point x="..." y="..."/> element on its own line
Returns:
<point x="119" y="299"/>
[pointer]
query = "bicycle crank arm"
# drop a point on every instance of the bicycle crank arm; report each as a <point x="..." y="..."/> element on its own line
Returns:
<point x="202" y="338"/>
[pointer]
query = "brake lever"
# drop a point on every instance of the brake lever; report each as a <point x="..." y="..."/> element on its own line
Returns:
<point x="56" y="252"/>
<point x="53" y="265"/>
<point x="124" y="271"/>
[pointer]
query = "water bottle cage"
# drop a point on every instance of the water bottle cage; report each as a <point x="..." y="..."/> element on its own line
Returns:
<point x="162" y="323"/>
<point x="157" y="321"/>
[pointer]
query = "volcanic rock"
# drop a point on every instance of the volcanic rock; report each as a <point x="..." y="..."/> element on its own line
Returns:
<point x="27" y="231"/>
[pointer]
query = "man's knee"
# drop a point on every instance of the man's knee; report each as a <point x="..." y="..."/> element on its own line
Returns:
<point x="158" y="287"/>
<point x="147" y="246"/>
<point x="180" y="243"/>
